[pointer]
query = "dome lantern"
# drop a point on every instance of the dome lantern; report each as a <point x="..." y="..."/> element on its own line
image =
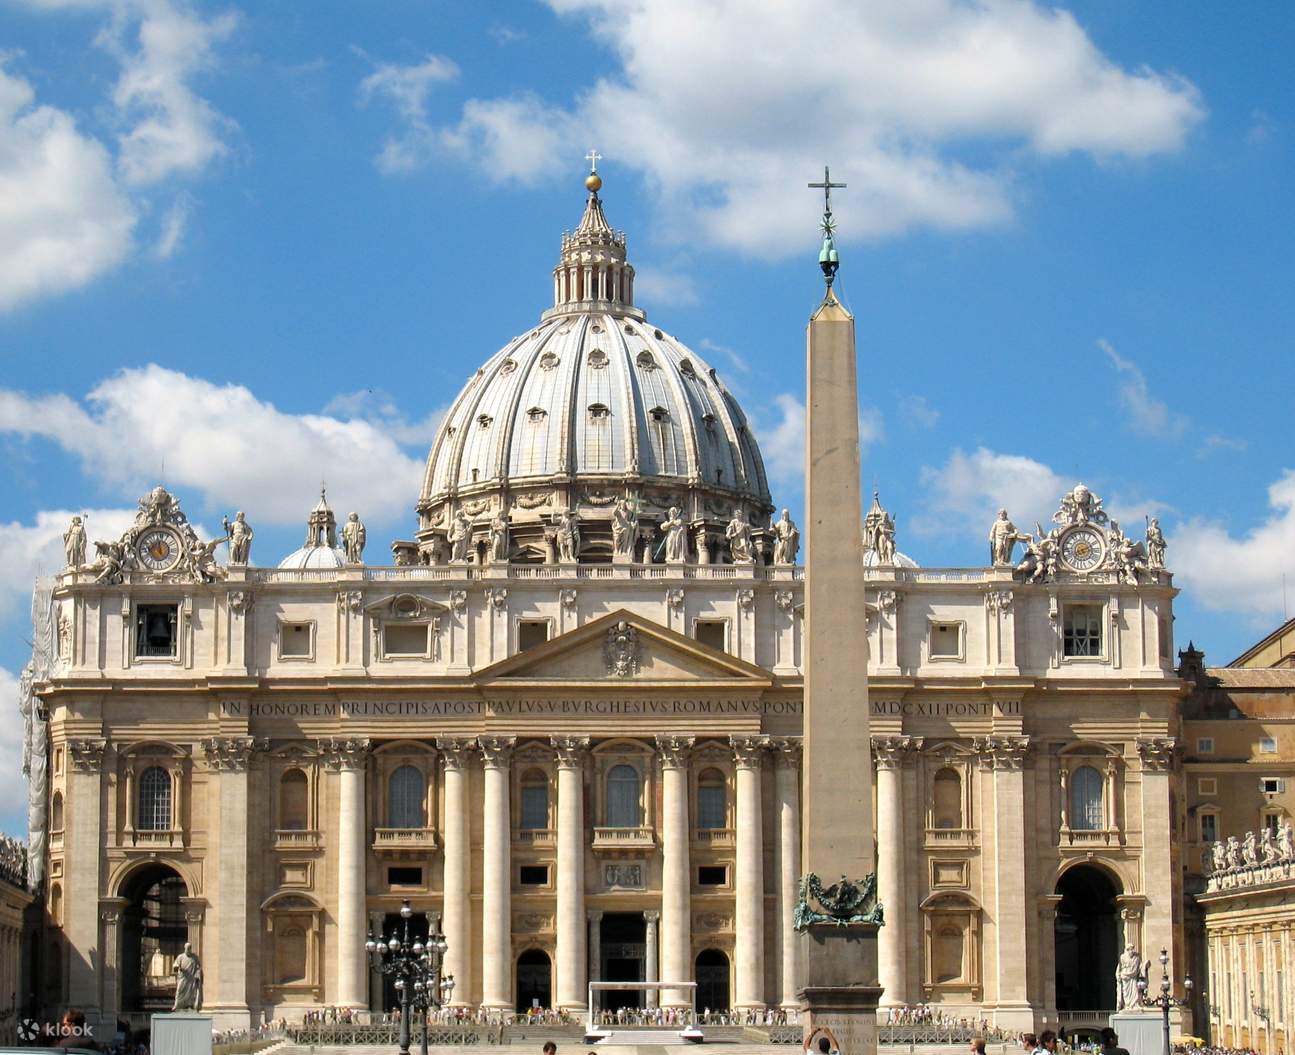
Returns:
<point x="320" y="550"/>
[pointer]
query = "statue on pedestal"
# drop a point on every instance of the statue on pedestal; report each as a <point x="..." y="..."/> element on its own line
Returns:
<point x="354" y="536"/>
<point x="676" y="536"/>
<point x="1286" y="840"/>
<point x="460" y="538"/>
<point x="624" y="528"/>
<point x="498" y="539"/>
<point x="1128" y="972"/>
<point x="187" y="969"/>
<point x="738" y="534"/>
<point x="74" y="544"/>
<point x="568" y="537"/>
<point x="240" y="538"/>
<point x="1155" y="544"/>
<point x="1003" y="538"/>
<point x="786" y="540"/>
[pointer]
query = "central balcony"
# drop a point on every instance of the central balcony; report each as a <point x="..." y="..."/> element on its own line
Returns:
<point x="296" y="839"/>
<point x="401" y="840"/>
<point x="950" y="838"/>
<point x="714" y="838"/>
<point x="539" y="838"/>
<point x="623" y="839"/>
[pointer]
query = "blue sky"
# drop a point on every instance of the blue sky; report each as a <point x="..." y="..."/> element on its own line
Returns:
<point x="244" y="247"/>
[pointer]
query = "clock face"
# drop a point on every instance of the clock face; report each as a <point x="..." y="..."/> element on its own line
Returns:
<point x="1083" y="549"/>
<point x="158" y="549"/>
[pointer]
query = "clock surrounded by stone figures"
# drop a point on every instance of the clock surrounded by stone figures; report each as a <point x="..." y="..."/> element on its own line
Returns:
<point x="1082" y="549"/>
<point x="158" y="549"/>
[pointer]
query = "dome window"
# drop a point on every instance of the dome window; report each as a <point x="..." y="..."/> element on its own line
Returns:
<point x="597" y="359"/>
<point x="686" y="368"/>
<point x="536" y="415"/>
<point x="507" y="367"/>
<point x="549" y="361"/>
<point x="595" y="328"/>
<point x="599" y="412"/>
<point x="630" y="329"/>
<point x="657" y="334"/>
<point x="485" y="421"/>
<point x="709" y="419"/>
<point x="659" y="414"/>
<point x="646" y="360"/>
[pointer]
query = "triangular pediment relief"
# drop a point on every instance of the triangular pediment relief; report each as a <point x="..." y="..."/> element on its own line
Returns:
<point x="626" y="649"/>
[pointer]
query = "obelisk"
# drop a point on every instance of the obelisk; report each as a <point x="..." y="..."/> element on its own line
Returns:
<point x="838" y="923"/>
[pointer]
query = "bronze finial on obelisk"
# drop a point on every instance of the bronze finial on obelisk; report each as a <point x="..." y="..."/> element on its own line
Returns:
<point x="837" y="913"/>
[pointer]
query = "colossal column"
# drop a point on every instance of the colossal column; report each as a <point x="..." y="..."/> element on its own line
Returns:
<point x="83" y="858"/>
<point x="890" y="753"/>
<point x="838" y="952"/>
<point x="748" y="950"/>
<point x="571" y="924"/>
<point x="676" y="949"/>
<point x="350" y="758"/>
<point x="457" y="914"/>
<point x="786" y="754"/>
<point x="496" y="878"/>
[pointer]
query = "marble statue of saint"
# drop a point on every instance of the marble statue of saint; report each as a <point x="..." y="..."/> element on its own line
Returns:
<point x="1003" y="538"/>
<point x="1236" y="857"/>
<point x="738" y="534"/>
<point x="568" y="537"/>
<point x="240" y="539"/>
<point x="1218" y="858"/>
<point x="676" y="536"/>
<point x="624" y="528"/>
<point x="354" y="536"/>
<point x="74" y="544"/>
<point x="786" y="540"/>
<point x="1128" y="972"/>
<point x="1250" y="850"/>
<point x="1268" y="847"/>
<point x="886" y="540"/>
<point x="499" y="539"/>
<point x="460" y="537"/>
<point x="1155" y="544"/>
<point x="1286" y="840"/>
<point x="188" y="981"/>
<point x="107" y="561"/>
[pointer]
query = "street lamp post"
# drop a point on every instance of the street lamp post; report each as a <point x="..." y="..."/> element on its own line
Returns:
<point x="416" y="967"/>
<point x="1166" y="999"/>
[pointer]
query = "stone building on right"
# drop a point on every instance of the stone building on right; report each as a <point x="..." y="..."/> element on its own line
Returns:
<point x="1239" y="848"/>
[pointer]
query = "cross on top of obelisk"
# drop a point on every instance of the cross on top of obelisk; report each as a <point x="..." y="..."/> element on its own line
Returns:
<point x="828" y="258"/>
<point x="593" y="157"/>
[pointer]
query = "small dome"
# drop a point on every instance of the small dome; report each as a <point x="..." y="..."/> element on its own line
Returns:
<point x="902" y="560"/>
<point x="320" y="550"/>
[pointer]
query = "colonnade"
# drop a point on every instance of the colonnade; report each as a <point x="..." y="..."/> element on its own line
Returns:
<point x="669" y="945"/>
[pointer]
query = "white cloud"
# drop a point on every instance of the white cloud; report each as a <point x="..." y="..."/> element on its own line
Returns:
<point x="379" y="408"/>
<point x="64" y="221"/>
<point x="407" y="89"/>
<point x="728" y="107"/>
<point x="918" y="412"/>
<point x="1147" y="415"/>
<point x="1231" y="573"/>
<point x="31" y="550"/>
<point x="172" y="130"/>
<point x="13" y="785"/>
<point x="219" y="440"/>
<point x="654" y="286"/>
<point x="964" y="494"/>
<point x="173" y="226"/>
<point x="1216" y="442"/>
<point x="782" y="441"/>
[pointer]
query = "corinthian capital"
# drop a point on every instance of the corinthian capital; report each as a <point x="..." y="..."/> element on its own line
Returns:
<point x="571" y="750"/>
<point x="1001" y="752"/>
<point x="456" y="751"/>
<point x="674" y="750"/>
<point x="232" y="753"/>
<point x="344" y="753"/>
<point x="786" y="751"/>
<point x="497" y="751"/>
<point x="1156" y="752"/>
<point x="892" y="752"/>
<point x="747" y="750"/>
<point x="87" y="754"/>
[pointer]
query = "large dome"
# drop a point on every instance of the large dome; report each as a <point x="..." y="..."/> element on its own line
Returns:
<point x="592" y="405"/>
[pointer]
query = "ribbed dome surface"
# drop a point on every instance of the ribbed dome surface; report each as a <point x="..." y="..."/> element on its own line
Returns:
<point x="595" y="394"/>
<point x="314" y="557"/>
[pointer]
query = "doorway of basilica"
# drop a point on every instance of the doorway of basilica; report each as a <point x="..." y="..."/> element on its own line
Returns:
<point x="623" y="945"/>
<point x="712" y="980"/>
<point x="1087" y="940"/>
<point x="393" y="924"/>
<point x="153" y="933"/>
<point x="534" y="980"/>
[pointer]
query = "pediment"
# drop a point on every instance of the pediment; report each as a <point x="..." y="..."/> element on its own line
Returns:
<point x="625" y="649"/>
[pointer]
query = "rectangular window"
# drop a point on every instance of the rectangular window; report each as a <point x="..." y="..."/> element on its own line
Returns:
<point x="535" y="807"/>
<point x="1268" y="745"/>
<point x="946" y="640"/>
<point x="533" y="875"/>
<point x="1209" y="828"/>
<point x="1272" y="822"/>
<point x="404" y="875"/>
<point x="402" y="640"/>
<point x="1205" y="745"/>
<point x="1207" y="786"/>
<point x="1082" y="630"/>
<point x="711" y="806"/>
<point x="531" y="632"/>
<point x="155" y="630"/>
<point x="1273" y="785"/>
<point x="711" y="632"/>
<point x="712" y="875"/>
<point x="294" y="640"/>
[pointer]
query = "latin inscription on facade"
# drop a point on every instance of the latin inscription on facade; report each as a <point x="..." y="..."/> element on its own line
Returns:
<point x="497" y="708"/>
<point x="945" y="708"/>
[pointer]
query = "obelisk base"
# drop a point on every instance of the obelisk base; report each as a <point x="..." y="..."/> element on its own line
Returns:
<point x="840" y="990"/>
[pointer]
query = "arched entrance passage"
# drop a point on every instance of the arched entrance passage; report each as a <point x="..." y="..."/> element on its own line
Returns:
<point x="534" y="980"/>
<point x="712" y="980"/>
<point x="153" y="933"/>
<point x="1087" y="940"/>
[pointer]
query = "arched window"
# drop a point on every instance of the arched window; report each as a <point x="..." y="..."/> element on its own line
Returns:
<point x="294" y="813"/>
<point x="535" y="801"/>
<point x="154" y="800"/>
<point x="712" y="800"/>
<point x="405" y="791"/>
<point x="1086" y="812"/>
<point x="624" y="808"/>
<point x="947" y="805"/>
<point x="56" y="813"/>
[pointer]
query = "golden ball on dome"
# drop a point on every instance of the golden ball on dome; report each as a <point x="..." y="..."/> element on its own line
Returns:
<point x="594" y="182"/>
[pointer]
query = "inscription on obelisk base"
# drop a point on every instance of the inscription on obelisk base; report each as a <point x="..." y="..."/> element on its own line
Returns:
<point x="837" y="918"/>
